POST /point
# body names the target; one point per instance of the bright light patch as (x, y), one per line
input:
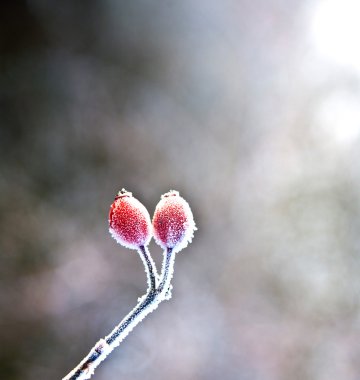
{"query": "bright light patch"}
(338, 118)
(335, 31)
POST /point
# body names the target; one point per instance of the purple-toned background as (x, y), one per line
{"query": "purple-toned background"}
(250, 109)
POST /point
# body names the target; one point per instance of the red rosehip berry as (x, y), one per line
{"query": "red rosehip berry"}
(173, 222)
(129, 221)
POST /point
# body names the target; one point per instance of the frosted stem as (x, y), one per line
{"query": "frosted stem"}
(150, 268)
(167, 270)
(154, 296)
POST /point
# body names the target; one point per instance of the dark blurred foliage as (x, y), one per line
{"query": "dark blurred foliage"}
(226, 101)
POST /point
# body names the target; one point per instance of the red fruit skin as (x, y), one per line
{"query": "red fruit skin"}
(173, 222)
(129, 221)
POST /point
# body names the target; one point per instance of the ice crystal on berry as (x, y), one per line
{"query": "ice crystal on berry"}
(129, 221)
(173, 222)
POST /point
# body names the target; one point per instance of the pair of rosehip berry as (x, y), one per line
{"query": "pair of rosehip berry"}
(172, 226)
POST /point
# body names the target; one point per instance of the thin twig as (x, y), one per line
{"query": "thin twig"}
(154, 296)
(167, 270)
(150, 268)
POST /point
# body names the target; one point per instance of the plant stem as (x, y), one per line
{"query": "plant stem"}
(154, 296)
(167, 270)
(150, 268)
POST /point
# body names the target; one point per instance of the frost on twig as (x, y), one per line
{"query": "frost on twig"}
(149, 302)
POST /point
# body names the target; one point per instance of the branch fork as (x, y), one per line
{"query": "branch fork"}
(158, 291)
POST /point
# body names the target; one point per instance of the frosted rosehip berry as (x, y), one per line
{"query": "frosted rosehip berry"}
(173, 222)
(129, 221)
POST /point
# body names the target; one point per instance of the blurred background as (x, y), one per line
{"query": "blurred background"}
(251, 109)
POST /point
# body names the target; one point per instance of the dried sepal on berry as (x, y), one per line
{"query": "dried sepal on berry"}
(173, 222)
(129, 221)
